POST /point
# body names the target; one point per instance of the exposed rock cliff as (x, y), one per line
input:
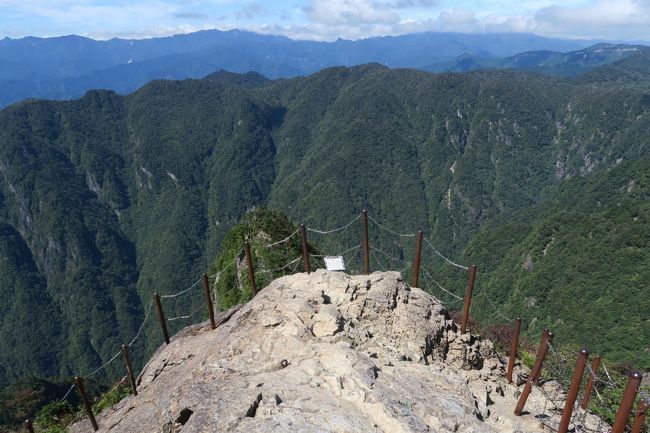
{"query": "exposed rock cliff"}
(326, 352)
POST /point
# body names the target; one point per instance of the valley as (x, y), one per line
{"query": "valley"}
(541, 181)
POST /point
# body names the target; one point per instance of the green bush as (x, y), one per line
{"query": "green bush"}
(260, 227)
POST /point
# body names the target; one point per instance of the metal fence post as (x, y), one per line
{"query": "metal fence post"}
(161, 317)
(87, 406)
(29, 425)
(416, 262)
(208, 300)
(537, 368)
(542, 341)
(251, 272)
(590, 383)
(624, 409)
(365, 244)
(129, 368)
(468, 299)
(514, 348)
(305, 248)
(641, 411)
(572, 395)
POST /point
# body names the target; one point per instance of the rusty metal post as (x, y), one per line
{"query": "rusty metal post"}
(161, 317)
(468, 298)
(543, 350)
(572, 395)
(364, 245)
(251, 272)
(305, 248)
(416, 262)
(523, 397)
(543, 337)
(590, 383)
(641, 411)
(541, 355)
(208, 300)
(542, 342)
(29, 425)
(129, 368)
(624, 409)
(514, 348)
(84, 398)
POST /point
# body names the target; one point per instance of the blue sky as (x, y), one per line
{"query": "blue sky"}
(326, 19)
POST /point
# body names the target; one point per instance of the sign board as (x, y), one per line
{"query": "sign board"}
(334, 263)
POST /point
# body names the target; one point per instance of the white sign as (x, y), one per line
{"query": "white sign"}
(334, 263)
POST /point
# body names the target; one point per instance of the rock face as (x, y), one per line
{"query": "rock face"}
(325, 352)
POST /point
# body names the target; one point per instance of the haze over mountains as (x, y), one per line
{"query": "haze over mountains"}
(68, 66)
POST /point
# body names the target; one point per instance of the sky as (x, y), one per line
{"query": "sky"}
(620, 20)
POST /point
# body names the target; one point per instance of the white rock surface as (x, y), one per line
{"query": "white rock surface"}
(326, 352)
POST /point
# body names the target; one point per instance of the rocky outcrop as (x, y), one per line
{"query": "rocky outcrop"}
(326, 352)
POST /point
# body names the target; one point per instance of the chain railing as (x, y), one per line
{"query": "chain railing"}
(566, 401)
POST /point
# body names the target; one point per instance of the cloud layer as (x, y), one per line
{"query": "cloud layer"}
(328, 19)
(615, 19)
(599, 19)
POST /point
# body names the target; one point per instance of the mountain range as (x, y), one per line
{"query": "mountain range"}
(68, 66)
(542, 181)
(545, 62)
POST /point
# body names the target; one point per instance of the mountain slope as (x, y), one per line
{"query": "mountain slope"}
(560, 264)
(628, 72)
(113, 198)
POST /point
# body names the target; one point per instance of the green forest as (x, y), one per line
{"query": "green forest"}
(541, 181)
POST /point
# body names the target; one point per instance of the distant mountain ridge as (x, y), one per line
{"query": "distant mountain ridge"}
(68, 66)
(544, 61)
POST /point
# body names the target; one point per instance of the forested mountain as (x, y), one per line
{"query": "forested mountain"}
(542, 181)
(545, 61)
(68, 66)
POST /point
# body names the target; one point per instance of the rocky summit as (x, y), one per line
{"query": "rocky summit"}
(328, 352)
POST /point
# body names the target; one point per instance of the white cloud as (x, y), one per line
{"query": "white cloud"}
(190, 15)
(460, 20)
(104, 18)
(78, 11)
(613, 19)
(251, 10)
(337, 12)
(597, 19)
(404, 4)
(354, 19)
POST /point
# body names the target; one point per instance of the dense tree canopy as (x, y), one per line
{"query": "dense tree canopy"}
(543, 182)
